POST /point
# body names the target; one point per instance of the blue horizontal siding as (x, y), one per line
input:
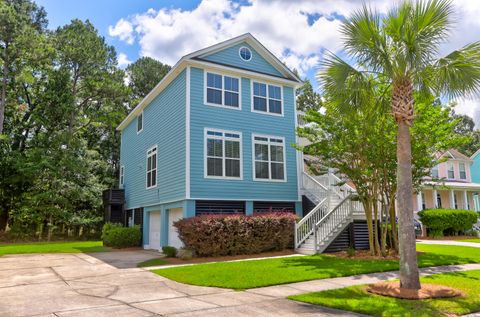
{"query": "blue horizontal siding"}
(247, 122)
(164, 125)
(230, 56)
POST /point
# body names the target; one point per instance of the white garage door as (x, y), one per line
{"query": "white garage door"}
(154, 233)
(173, 239)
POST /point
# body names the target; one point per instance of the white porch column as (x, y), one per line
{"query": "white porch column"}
(419, 201)
(452, 199)
(435, 201)
(465, 200)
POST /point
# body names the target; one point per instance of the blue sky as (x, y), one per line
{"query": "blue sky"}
(298, 32)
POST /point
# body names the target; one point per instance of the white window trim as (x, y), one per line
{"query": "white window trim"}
(156, 167)
(460, 170)
(143, 122)
(269, 179)
(205, 71)
(251, 54)
(268, 106)
(448, 169)
(121, 179)
(436, 169)
(205, 175)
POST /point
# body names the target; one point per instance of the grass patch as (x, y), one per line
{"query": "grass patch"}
(356, 299)
(53, 247)
(152, 262)
(471, 240)
(258, 273)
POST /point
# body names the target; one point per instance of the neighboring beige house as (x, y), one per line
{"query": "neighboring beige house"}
(449, 185)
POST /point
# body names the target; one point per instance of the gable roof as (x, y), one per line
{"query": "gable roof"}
(455, 154)
(475, 154)
(194, 59)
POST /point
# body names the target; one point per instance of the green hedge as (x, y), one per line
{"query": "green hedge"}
(217, 235)
(117, 236)
(441, 222)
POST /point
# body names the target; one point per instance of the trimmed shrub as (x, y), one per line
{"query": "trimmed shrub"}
(441, 222)
(218, 235)
(117, 236)
(169, 251)
(185, 254)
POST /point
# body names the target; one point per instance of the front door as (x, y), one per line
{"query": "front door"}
(154, 232)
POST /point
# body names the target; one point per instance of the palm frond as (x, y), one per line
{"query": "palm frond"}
(364, 40)
(458, 73)
(348, 87)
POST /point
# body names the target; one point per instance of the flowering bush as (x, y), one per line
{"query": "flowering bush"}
(217, 235)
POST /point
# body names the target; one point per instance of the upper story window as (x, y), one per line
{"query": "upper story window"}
(222, 90)
(152, 167)
(450, 170)
(434, 172)
(245, 53)
(223, 154)
(140, 122)
(267, 98)
(269, 158)
(463, 173)
(122, 176)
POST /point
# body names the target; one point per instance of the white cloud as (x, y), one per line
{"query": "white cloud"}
(123, 30)
(295, 31)
(123, 60)
(471, 107)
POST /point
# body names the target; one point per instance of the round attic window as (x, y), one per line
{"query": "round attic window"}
(245, 53)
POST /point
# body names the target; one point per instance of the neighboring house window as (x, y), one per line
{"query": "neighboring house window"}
(424, 203)
(450, 170)
(245, 53)
(439, 201)
(140, 122)
(435, 172)
(222, 90)
(463, 173)
(269, 158)
(267, 98)
(122, 175)
(152, 167)
(223, 151)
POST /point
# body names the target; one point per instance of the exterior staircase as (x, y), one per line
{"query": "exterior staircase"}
(333, 212)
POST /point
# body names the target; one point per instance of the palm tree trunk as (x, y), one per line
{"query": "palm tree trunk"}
(409, 275)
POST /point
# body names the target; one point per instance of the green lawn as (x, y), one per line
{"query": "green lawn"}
(53, 247)
(356, 299)
(258, 273)
(152, 262)
(471, 240)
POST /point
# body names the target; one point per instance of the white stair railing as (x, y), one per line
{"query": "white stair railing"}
(306, 226)
(314, 187)
(331, 221)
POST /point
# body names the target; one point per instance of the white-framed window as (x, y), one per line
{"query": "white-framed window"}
(450, 170)
(152, 167)
(267, 98)
(245, 53)
(222, 91)
(223, 154)
(463, 172)
(140, 122)
(122, 176)
(434, 172)
(268, 158)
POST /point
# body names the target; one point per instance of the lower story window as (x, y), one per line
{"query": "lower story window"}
(269, 158)
(223, 154)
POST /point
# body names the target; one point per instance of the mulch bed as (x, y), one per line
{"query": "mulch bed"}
(228, 258)
(392, 289)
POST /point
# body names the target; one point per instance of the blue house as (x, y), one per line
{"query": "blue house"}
(215, 135)
(475, 175)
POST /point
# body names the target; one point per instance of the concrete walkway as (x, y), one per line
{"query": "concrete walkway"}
(107, 284)
(451, 242)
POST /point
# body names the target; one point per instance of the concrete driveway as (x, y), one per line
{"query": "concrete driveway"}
(109, 284)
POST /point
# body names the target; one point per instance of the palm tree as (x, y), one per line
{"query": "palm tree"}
(400, 49)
